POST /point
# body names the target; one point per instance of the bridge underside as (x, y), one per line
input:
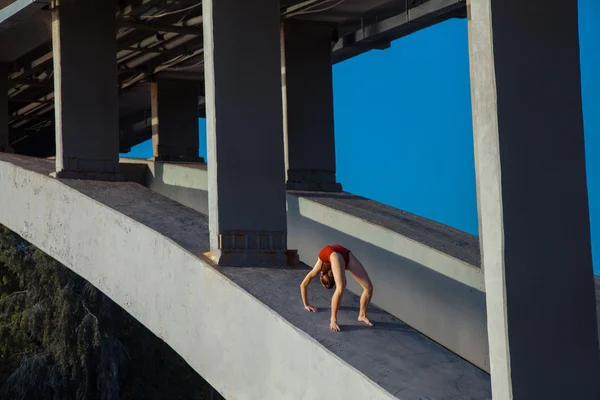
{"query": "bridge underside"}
(146, 252)
(171, 48)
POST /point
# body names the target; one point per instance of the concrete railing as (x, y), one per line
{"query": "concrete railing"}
(425, 284)
(145, 253)
(186, 183)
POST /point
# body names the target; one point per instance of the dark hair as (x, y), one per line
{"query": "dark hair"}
(327, 279)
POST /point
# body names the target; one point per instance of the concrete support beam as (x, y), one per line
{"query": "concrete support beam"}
(85, 82)
(308, 106)
(247, 203)
(532, 194)
(4, 142)
(175, 133)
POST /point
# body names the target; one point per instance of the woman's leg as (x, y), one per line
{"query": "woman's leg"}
(360, 274)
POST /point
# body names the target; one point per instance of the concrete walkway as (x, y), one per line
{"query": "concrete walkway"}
(243, 329)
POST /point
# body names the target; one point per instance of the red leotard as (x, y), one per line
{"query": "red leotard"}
(325, 253)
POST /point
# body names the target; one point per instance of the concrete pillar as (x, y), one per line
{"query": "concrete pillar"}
(4, 142)
(175, 133)
(532, 193)
(247, 203)
(85, 84)
(308, 106)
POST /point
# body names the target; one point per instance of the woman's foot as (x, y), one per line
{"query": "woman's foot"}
(364, 319)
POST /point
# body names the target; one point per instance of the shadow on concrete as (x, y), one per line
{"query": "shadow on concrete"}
(134, 172)
(194, 198)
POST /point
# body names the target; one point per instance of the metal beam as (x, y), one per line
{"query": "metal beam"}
(152, 70)
(155, 50)
(380, 34)
(143, 119)
(30, 118)
(28, 101)
(31, 82)
(181, 75)
(34, 62)
(122, 23)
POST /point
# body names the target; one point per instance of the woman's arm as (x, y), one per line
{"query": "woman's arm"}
(309, 277)
(340, 285)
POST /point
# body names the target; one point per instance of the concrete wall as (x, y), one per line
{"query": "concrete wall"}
(195, 309)
(425, 288)
(95, 153)
(186, 184)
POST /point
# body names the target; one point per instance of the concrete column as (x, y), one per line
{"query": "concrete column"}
(4, 142)
(85, 84)
(175, 133)
(308, 107)
(247, 203)
(531, 182)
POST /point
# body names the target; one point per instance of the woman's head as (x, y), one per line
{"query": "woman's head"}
(327, 276)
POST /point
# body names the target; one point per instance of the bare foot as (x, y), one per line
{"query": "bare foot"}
(365, 320)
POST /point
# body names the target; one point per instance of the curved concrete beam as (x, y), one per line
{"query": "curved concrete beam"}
(216, 326)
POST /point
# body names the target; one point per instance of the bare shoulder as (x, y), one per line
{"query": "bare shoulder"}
(317, 268)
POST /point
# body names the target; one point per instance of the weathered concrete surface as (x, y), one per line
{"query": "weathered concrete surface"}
(87, 126)
(421, 270)
(244, 132)
(308, 123)
(533, 199)
(175, 133)
(186, 183)
(141, 249)
(4, 139)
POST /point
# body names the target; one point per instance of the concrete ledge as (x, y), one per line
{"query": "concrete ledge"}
(254, 258)
(315, 180)
(424, 273)
(144, 251)
(175, 159)
(186, 183)
(314, 186)
(95, 176)
(442, 238)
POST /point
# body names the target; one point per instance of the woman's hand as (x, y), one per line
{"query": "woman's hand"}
(310, 308)
(334, 326)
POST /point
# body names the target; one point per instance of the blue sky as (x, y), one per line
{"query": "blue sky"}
(404, 135)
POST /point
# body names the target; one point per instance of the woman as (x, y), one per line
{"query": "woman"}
(331, 264)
